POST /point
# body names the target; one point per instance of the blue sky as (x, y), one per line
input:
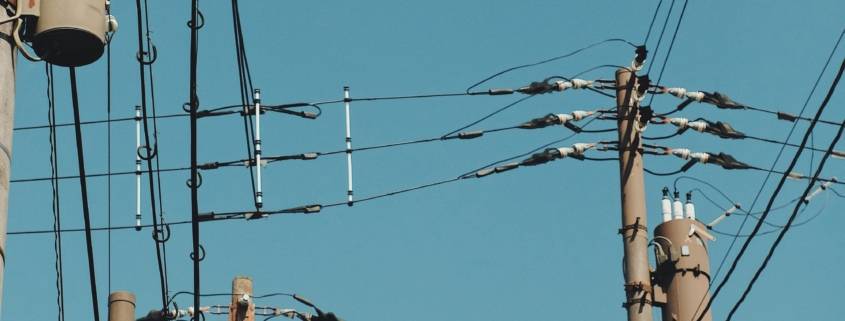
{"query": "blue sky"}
(534, 241)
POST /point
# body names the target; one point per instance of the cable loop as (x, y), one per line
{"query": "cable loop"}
(152, 55)
(202, 254)
(150, 152)
(199, 176)
(201, 24)
(165, 234)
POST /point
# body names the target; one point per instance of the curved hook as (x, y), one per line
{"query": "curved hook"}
(201, 21)
(151, 152)
(153, 56)
(202, 254)
(16, 35)
(164, 232)
(199, 179)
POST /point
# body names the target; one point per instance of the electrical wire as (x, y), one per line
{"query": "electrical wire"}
(671, 45)
(192, 94)
(778, 188)
(653, 18)
(84, 191)
(575, 52)
(794, 214)
(108, 141)
(56, 201)
(662, 32)
(246, 89)
(151, 149)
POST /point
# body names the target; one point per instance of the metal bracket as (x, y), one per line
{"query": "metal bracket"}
(635, 226)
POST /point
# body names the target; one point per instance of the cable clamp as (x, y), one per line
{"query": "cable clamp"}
(636, 227)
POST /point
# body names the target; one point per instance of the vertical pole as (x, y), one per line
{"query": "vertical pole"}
(346, 101)
(121, 306)
(634, 226)
(242, 307)
(7, 114)
(256, 97)
(137, 168)
(194, 103)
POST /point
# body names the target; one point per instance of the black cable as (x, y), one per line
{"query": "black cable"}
(91, 122)
(151, 150)
(779, 186)
(245, 88)
(108, 141)
(470, 88)
(653, 18)
(798, 205)
(669, 52)
(84, 190)
(195, 233)
(663, 174)
(56, 202)
(662, 32)
(476, 122)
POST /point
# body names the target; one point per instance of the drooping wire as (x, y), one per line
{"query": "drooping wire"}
(56, 204)
(780, 185)
(798, 205)
(83, 186)
(575, 52)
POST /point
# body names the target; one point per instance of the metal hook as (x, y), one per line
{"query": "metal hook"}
(151, 152)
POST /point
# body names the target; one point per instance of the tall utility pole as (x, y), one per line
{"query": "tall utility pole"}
(242, 307)
(634, 229)
(7, 115)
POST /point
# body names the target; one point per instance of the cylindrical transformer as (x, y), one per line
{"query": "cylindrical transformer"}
(70, 33)
(121, 306)
(683, 268)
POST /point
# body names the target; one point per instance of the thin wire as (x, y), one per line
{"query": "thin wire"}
(84, 190)
(671, 45)
(108, 144)
(798, 205)
(662, 32)
(653, 18)
(245, 83)
(778, 188)
(577, 51)
(57, 214)
(514, 103)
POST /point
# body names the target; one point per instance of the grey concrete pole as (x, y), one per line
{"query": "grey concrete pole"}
(7, 116)
(634, 229)
(121, 306)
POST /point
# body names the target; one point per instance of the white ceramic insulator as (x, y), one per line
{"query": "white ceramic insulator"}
(689, 210)
(580, 114)
(580, 148)
(565, 151)
(701, 157)
(677, 209)
(695, 95)
(581, 83)
(562, 85)
(698, 125)
(682, 153)
(678, 92)
(564, 118)
(667, 209)
(679, 122)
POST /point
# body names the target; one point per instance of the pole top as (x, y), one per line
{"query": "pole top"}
(124, 296)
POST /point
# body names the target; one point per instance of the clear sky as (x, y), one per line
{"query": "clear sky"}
(537, 242)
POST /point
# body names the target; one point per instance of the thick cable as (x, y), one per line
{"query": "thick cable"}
(779, 186)
(56, 201)
(671, 46)
(83, 186)
(195, 233)
(662, 32)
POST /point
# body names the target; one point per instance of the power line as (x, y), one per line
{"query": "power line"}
(798, 205)
(56, 202)
(779, 186)
(671, 46)
(662, 31)
(653, 18)
(84, 190)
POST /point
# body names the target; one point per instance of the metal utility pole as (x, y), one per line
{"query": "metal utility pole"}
(121, 306)
(7, 116)
(634, 229)
(242, 307)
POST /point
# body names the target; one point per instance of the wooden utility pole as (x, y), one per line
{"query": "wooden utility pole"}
(242, 307)
(121, 306)
(7, 115)
(634, 229)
